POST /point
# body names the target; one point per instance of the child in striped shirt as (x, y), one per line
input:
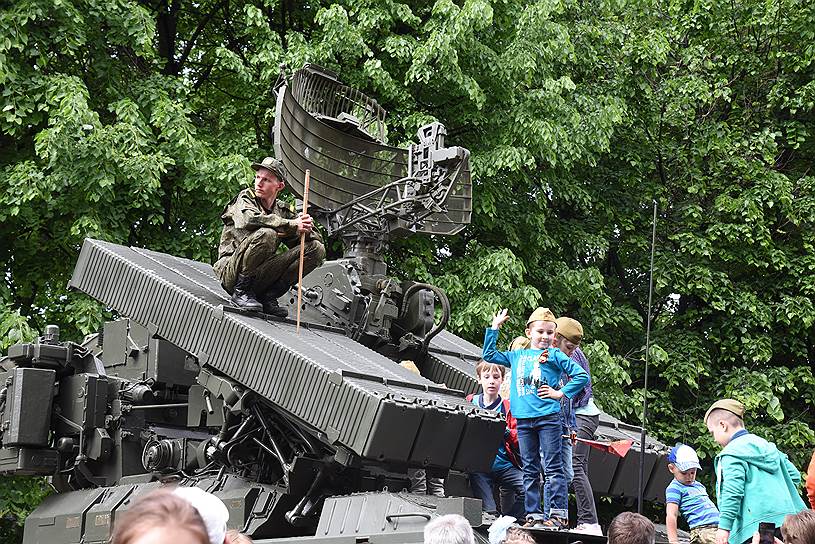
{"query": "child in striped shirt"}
(687, 496)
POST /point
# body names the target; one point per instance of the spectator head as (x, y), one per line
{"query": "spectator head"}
(490, 377)
(723, 419)
(449, 529)
(631, 528)
(211, 509)
(157, 517)
(568, 335)
(518, 536)
(799, 528)
(683, 462)
(540, 328)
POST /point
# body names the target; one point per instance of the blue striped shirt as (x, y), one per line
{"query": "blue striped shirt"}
(694, 504)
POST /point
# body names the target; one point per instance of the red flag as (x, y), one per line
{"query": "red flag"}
(618, 447)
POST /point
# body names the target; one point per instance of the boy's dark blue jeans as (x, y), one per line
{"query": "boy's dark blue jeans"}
(511, 478)
(540, 440)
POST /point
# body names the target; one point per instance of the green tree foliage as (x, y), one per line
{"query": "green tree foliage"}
(135, 121)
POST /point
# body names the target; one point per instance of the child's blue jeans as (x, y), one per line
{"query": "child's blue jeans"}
(568, 473)
(511, 478)
(540, 440)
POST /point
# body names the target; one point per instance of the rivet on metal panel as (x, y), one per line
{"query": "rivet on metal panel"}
(202, 357)
(335, 378)
(218, 312)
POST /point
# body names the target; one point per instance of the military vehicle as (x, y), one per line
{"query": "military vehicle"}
(305, 436)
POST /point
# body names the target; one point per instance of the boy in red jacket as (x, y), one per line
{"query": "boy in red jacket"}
(506, 471)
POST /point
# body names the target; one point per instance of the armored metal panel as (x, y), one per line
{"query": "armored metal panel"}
(125, 348)
(659, 480)
(59, 519)
(474, 439)
(451, 360)
(346, 165)
(100, 517)
(168, 364)
(449, 342)
(239, 502)
(451, 369)
(28, 461)
(602, 467)
(376, 513)
(309, 375)
(626, 478)
(83, 401)
(27, 415)
(427, 449)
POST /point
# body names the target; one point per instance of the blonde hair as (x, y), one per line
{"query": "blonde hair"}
(159, 508)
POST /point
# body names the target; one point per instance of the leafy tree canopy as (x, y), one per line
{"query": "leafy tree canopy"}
(135, 121)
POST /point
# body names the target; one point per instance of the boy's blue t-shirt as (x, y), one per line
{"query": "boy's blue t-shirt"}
(694, 503)
(502, 461)
(527, 371)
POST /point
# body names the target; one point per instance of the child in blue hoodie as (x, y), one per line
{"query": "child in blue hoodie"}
(754, 481)
(538, 416)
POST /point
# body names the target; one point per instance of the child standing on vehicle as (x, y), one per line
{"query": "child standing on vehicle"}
(754, 481)
(539, 425)
(506, 469)
(688, 497)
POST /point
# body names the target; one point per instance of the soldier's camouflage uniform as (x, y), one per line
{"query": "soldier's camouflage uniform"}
(250, 240)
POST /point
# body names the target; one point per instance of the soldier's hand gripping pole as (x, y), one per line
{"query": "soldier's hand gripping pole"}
(302, 252)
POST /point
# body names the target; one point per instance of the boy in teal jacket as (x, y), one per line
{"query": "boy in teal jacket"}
(754, 481)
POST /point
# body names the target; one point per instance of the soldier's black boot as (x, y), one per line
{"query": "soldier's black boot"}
(269, 300)
(243, 296)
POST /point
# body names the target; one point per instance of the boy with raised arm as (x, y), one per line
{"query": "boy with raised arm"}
(538, 417)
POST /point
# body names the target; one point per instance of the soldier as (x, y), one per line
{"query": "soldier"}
(255, 222)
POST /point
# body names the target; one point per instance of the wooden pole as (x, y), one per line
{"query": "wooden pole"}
(302, 251)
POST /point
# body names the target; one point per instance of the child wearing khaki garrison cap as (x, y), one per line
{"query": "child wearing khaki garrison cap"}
(538, 415)
(754, 481)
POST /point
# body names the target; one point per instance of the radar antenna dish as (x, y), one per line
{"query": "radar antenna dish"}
(362, 189)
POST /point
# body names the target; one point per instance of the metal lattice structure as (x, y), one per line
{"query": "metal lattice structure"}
(338, 134)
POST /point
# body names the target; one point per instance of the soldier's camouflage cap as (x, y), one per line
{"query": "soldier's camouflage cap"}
(273, 165)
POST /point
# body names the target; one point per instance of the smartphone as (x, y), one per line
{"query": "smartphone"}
(766, 533)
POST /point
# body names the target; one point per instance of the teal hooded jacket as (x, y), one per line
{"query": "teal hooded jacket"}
(754, 482)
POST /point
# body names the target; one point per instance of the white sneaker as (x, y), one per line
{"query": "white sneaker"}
(588, 529)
